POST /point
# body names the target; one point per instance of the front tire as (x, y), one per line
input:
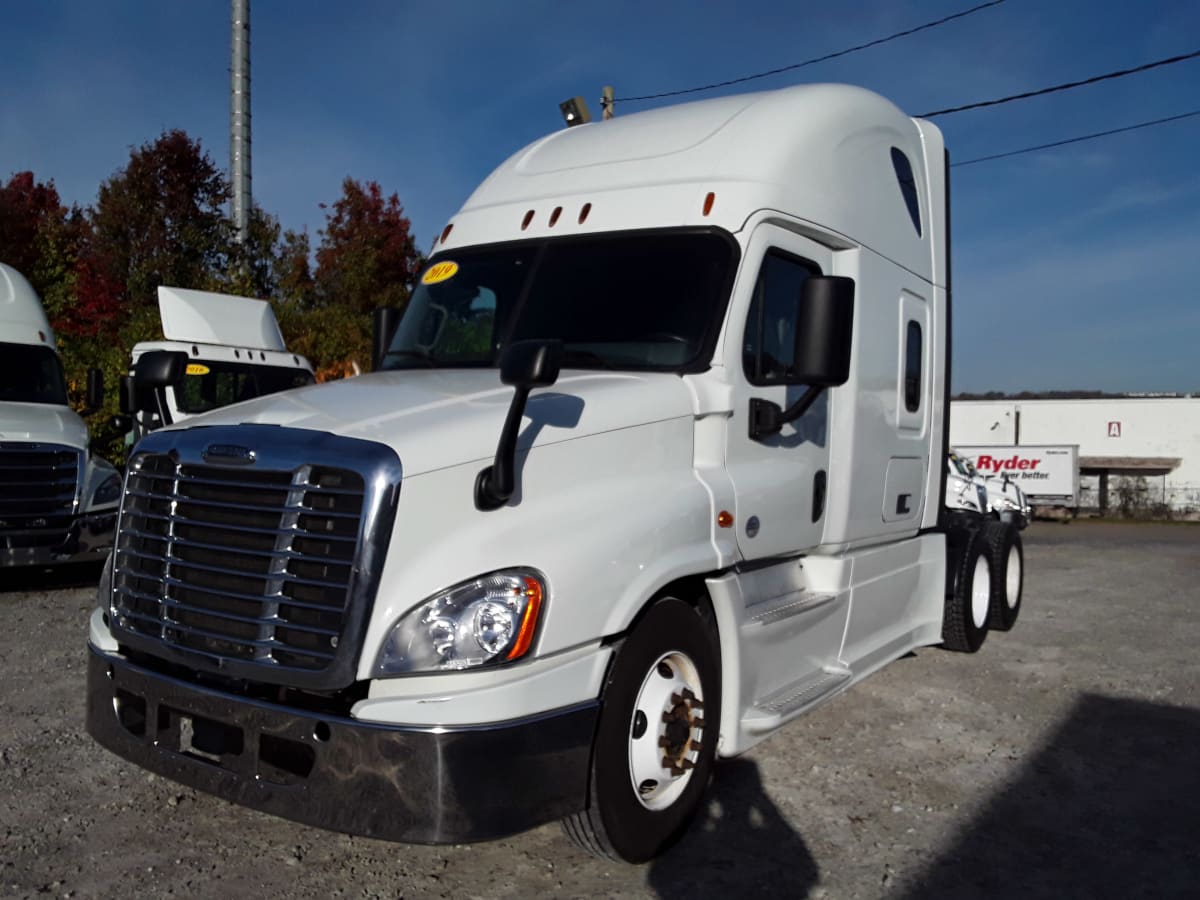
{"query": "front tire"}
(656, 738)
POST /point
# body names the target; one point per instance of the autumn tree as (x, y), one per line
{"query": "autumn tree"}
(367, 257)
(39, 236)
(161, 220)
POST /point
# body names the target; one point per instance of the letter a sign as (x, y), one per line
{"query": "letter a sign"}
(1114, 429)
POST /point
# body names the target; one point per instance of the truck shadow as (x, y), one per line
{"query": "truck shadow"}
(740, 843)
(1108, 807)
(35, 578)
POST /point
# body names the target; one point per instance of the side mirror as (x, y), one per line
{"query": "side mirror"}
(95, 391)
(821, 357)
(383, 326)
(127, 398)
(824, 328)
(160, 368)
(531, 364)
(524, 365)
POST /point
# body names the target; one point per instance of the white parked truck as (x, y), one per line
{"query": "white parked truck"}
(218, 349)
(654, 463)
(58, 501)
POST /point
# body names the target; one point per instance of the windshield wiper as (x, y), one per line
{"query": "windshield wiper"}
(426, 358)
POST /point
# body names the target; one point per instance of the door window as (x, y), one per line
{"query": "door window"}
(770, 340)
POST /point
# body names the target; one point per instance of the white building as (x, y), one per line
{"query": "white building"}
(1149, 444)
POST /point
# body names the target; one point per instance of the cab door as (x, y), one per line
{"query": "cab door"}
(779, 479)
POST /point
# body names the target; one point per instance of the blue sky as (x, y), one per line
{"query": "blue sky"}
(1074, 268)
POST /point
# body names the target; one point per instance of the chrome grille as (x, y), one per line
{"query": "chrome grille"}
(38, 486)
(250, 571)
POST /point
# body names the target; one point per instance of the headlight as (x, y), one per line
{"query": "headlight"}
(489, 620)
(109, 490)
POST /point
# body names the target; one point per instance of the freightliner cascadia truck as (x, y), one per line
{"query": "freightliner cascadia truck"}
(653, 463)
(58, 501)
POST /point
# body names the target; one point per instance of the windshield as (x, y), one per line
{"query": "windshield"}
(209, 384)
(31, 374)
(627, 301)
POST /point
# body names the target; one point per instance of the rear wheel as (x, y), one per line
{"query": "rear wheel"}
(656, 738)
(965, 621)
(1007, 559)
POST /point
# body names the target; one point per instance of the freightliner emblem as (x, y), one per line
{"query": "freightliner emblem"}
(229, 454)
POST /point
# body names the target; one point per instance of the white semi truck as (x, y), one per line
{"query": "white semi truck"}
(217, 349)
(58, 501)
(655, 462)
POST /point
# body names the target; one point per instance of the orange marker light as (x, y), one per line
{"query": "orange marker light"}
(525, 221)
(554, 215)
(583, 213)
(708, 202)
(725, 519)
(533, 594)
(446, 232)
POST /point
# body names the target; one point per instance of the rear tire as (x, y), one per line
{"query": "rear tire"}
(656, 738)
(1007, 559)
(965, 621)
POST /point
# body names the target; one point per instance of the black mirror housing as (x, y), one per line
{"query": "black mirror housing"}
(384, 321)
(530, 364)
(824, 331)
(95, 390)
(160, 368)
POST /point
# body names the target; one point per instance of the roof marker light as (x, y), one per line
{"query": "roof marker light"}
(446, 233)
(525, 221)
(708, 202)
(583, 213)
(554, 215)
(42, 335)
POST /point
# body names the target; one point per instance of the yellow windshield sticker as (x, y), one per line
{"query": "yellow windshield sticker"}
(439, 272)
(197, 369)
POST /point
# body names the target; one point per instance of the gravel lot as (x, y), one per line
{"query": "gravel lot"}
(1060, 761)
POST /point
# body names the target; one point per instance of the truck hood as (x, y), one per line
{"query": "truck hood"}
(441, 418)
(42, 423)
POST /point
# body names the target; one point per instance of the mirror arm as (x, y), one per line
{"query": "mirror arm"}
(766, 418)
(494, 485)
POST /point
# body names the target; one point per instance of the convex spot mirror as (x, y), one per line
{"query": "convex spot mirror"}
(95, 390)
(824, 330)
(160, 368)
(531, 364)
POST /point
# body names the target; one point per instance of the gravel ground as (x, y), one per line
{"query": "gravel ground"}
(1060, 761)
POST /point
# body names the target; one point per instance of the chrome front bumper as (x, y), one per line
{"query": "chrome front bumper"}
(421, 785)
(89, 538)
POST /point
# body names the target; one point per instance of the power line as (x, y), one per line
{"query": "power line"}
(1076, 140)
(1062, 87)
(809, 62)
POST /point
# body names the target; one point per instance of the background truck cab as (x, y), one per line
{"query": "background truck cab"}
(58, 502)
(218, 349)
(654, 463)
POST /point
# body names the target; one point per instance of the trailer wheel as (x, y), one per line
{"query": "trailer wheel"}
(1007, 558)
(965, 622)
(656, 737)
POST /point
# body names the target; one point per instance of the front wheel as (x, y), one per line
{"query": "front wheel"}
(656, 738)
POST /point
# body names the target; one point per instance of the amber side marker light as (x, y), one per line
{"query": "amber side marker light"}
(533, 591)
(525, 221)
(446, 233)
(554, 216)
(583, 213)
(725, 519)
(708, 202)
